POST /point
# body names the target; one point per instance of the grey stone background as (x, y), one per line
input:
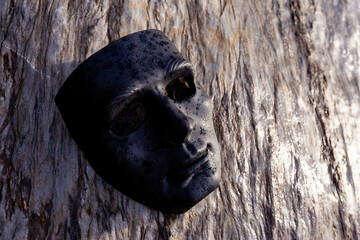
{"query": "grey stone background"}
(284, 80)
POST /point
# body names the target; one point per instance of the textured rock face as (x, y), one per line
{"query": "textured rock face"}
(284, 79)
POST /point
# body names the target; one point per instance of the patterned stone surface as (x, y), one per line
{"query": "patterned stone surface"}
(284, 79)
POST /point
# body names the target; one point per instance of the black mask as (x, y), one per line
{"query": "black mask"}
(143, 122)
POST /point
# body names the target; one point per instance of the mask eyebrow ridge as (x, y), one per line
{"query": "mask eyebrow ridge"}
(112, 107)
(175, 64)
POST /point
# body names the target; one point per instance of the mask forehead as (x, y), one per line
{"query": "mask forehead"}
(136, 59)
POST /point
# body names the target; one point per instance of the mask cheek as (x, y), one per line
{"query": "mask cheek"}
(130, 151)
(142, 167)
(202, 115)
(114, 149)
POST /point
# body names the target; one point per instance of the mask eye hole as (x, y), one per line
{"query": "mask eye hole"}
(180, 88)
(129, 119)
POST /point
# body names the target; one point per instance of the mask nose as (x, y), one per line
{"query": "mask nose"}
(173, 127)
(182, 127)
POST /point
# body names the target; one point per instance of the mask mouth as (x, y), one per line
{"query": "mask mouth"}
(185, 172)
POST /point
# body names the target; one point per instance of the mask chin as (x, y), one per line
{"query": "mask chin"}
(143, 122)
